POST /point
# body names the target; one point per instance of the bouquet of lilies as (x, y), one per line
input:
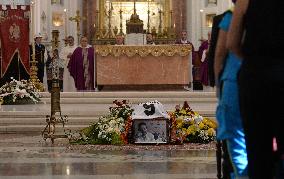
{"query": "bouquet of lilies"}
(19, 92)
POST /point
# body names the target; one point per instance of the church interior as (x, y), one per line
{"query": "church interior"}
(72, 70)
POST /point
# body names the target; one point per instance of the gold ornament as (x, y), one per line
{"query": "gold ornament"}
(143, 51)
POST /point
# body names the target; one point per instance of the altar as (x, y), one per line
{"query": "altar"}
(148, 66)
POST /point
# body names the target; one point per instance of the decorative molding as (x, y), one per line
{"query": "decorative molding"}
(143, 51)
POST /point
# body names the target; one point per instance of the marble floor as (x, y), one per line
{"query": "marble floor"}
(29, 157)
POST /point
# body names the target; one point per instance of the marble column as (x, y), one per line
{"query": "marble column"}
(194, 21)
(180, 16)
(89, 11)
(72, 6)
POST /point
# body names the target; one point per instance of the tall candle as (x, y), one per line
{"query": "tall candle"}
(33, 27)
(201, 23)
(65, 28)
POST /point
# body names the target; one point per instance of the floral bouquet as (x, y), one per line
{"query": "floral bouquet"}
(110, 129)
(189, 126)
(19, 92)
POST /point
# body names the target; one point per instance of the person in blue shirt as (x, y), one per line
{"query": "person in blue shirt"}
(230, 128)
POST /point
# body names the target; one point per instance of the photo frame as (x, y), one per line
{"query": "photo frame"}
(57, 19)
(57, 2)
(209, 20)
(151, 131)
(211, 2)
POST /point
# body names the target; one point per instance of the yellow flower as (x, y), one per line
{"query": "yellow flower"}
(193, 129)
(188, 131)
(201, 125)
(180, 119)
(212, 124)
(191, 122)
(182, 111)
(179, 124)
(211, 132)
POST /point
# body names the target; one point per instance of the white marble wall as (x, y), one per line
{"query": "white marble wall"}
(15, 2)
(46, 27)
(196, 17)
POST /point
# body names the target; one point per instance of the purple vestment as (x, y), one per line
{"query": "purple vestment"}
(204, 66)
(76, 68)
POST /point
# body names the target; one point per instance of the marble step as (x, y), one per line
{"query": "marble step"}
(131, 100)
(83, 108)
(133, 97)
(37, 129)
(72, 120)
(36, 120)
(36, 124)
(133, 94)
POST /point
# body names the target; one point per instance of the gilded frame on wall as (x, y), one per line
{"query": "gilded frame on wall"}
(57, 2)
(209, 20)
(211, 2)
(166, 13)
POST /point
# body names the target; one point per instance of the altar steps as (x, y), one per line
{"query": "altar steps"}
(133, 97)
(85, 108)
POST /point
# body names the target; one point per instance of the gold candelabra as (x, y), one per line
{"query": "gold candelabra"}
(97, 29)
(52, 120)
(109, 33)
(160, 23)
(120, 15)
(33, 72)
(148, 20)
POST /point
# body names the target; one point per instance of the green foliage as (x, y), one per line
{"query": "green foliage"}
(108, 129)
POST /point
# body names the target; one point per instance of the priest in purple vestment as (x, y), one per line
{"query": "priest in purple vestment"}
(81, 66)
(203, 54)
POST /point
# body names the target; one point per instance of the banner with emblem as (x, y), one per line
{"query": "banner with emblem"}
(14, 36)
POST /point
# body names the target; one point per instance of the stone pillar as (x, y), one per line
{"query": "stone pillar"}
(89, 11)
(39, 7)
(194, 21)
(179, 15)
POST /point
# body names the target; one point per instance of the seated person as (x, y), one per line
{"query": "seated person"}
(149, 39)
(119, 40)
(55, 69)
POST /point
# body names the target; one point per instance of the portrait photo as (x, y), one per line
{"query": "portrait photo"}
(150, 131)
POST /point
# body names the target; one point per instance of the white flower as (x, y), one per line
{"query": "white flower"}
(198, 119)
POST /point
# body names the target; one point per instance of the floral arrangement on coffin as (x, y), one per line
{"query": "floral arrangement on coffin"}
(190, 127)
(110, 129)
(19, 92)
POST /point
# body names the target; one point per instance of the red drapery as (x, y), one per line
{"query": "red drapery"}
(14, 35)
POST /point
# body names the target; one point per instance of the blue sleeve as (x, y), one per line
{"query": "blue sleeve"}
(226, 21)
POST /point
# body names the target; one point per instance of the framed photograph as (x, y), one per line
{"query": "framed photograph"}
(151, 131)
(209, 20)
(57, 19)
(211, 2)
(57, 2)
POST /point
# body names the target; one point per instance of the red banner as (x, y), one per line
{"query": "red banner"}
(14, 36)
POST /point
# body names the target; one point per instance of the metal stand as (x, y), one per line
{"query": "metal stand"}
(52, 120)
